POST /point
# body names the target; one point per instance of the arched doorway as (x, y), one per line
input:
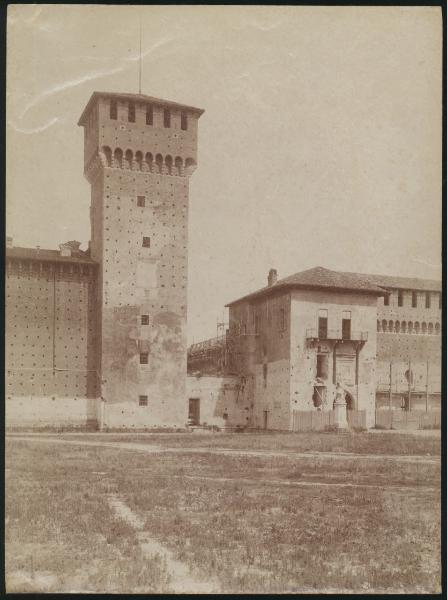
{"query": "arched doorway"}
(350, 401)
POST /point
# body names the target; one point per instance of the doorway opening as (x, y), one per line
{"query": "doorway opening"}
(194, 411)
(266, 416)
(350, 402)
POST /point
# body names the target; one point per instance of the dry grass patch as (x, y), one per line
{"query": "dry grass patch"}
(248, 532)
(357, 443)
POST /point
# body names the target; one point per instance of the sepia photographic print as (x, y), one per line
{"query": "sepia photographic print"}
(223, 299)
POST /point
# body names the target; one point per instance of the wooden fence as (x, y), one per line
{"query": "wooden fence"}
(316, 420)
(403, 419)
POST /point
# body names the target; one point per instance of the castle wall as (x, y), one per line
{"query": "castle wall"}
(262, 342)
(140, 281)
(50, 336)
(223, 402)
(409, 334)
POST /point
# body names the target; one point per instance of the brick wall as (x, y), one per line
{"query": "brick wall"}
(50, 329)
(139, 175)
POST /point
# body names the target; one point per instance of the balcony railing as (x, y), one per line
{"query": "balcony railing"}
(336, 334)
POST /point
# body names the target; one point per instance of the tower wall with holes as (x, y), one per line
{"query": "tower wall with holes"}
(138, 159)
(51, 377)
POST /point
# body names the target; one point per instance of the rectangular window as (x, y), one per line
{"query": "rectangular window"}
(113, 109)
(184, 121)
(414, 299)
(440, 300)
(322, 366)
(149, 114)
(141, 200)
(144, 356)
(386, 299)
(146, 242)
(400, 298)
(256, 324)
(346, 325)
(131, 113)
(282, 319)
(145, 319)
(142, 400)
(427, 300)
(322, 324)
(167, 117)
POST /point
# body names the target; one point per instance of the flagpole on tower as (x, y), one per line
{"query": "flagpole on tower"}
(140, 57)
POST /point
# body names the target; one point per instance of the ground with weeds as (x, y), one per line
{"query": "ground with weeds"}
(105, 519)
(379, 443)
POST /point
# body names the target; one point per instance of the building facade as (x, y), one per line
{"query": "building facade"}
(289, 344)
(51, 336)
(139, 153)
(98, 337)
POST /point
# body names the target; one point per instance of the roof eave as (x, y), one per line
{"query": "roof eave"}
(290, 286)
(42, 258)
(138, 97)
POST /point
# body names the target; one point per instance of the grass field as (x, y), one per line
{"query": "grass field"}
(82, 518)
(365, 443)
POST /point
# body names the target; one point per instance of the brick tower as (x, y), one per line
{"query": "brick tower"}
(139, 153)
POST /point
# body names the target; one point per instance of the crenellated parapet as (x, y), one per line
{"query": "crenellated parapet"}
(141, 161)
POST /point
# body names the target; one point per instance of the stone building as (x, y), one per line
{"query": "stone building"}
(103, 333)
(288, 344)
(98, 337)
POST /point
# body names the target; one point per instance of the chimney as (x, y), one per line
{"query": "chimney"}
(8, 241)
(273, 277)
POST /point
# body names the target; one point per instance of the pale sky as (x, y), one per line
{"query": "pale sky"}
(320, 143)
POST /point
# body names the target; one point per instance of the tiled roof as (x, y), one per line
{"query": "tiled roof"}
(321, 278)
(405, 283)
(136, 98)
(48, 255)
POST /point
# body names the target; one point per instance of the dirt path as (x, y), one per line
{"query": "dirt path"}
(181, 580)
(156, 449)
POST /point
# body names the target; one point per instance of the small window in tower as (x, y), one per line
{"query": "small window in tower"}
(167, 117)
(386, 299)
(427, 300)
(146, 242)
(145, 319)
(184, 121)
(131, 114)
(414, 299)
(400, 298)
(142, 400)
(440, 300)
(113, 109)
(141, 200)
(144, 356)
(149, 114)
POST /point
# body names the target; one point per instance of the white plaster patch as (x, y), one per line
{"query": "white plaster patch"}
(146, 274)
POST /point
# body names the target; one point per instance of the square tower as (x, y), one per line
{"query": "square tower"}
(139, 153)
